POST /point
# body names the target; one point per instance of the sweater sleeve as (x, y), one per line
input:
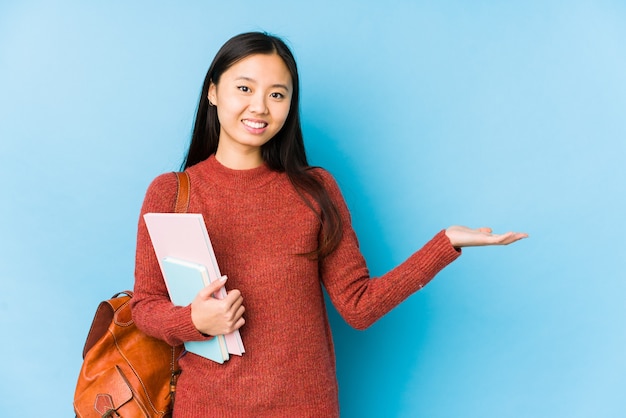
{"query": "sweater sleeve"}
(361, 299)
(152, 310)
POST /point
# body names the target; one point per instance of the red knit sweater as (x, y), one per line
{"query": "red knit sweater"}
(258, 224)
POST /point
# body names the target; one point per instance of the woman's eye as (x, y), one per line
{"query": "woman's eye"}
(245, 89)
(277, 95)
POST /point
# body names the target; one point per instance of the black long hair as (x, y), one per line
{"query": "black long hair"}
(285, 151)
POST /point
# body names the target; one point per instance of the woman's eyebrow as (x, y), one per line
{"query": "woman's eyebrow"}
(277, 85)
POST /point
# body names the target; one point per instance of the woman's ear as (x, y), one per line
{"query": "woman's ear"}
(211, 95)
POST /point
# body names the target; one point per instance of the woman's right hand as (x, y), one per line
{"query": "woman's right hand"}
(213, 316)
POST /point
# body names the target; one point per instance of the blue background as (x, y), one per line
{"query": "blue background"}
(429, 113)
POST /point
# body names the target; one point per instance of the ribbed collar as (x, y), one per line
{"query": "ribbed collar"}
(213, 171)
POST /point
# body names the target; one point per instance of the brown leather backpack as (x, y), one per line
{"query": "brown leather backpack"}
(126, 373)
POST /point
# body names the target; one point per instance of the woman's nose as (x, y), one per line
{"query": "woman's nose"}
(258, 104)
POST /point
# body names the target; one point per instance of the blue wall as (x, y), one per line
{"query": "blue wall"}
(429, 113)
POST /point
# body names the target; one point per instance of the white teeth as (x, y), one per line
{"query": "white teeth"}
(254, 125)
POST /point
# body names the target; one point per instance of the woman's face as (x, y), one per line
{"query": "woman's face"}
(252, 98)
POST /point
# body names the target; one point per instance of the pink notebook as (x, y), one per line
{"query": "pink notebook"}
(184, 236)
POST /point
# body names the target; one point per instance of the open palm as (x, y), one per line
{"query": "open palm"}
(462, 236)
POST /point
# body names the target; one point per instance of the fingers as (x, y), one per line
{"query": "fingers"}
(233, 311)
(214, 316)
(213, 287)
(518, 236)
(501, 237)
(509, 238)
(237, 320)
(233, 300)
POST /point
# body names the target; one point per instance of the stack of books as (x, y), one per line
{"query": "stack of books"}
(186, 258)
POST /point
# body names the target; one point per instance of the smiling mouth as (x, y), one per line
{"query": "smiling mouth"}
(254, 125)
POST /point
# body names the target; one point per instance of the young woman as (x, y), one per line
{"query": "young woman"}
(280, 230)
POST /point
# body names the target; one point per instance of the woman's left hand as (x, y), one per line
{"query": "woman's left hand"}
(462, 236)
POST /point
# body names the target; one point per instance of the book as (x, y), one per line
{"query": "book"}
(184, 236)
(184, 280)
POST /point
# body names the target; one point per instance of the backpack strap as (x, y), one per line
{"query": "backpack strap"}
(182, 196)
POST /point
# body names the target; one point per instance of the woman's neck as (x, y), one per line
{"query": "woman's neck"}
(239, 159)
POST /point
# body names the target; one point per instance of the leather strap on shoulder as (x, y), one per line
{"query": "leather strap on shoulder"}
(182, 196)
